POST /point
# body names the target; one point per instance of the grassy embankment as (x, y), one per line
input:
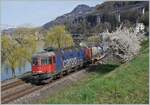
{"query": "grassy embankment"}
(110, 83)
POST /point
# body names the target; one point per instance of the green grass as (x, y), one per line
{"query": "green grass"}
(110, 83)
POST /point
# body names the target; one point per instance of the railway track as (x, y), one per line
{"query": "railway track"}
(11, 85)
(18, 94)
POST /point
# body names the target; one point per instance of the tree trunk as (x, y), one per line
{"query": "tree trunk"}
(13, 73)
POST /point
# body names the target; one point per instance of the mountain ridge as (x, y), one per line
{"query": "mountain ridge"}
(83, 12)
(79, 10)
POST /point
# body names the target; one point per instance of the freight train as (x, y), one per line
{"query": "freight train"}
(51, 63)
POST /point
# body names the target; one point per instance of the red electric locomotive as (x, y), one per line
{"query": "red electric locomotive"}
(43, 63)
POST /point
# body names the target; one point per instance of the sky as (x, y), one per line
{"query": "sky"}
(16, 13)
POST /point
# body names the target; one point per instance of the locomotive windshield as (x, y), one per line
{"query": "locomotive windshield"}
(46, 61)
(34, 61)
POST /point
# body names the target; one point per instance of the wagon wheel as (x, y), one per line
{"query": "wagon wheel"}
(61, 75)
(67, 72)
(76, 68)
(54, 77)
